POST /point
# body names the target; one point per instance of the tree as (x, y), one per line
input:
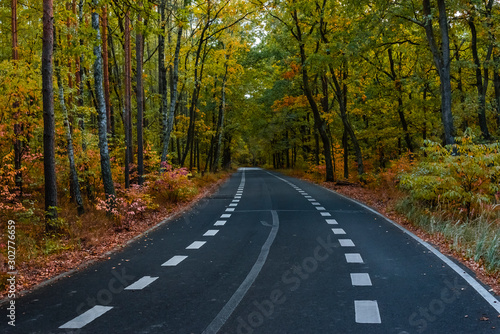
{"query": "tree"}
(49, 163)
(107, 178)
(139, 52)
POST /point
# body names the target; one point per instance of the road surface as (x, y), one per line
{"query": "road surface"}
(266, 254)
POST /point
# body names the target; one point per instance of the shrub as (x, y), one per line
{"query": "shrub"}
(461, 178)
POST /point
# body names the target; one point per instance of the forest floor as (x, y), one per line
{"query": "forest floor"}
(385, 199)
(44, 269)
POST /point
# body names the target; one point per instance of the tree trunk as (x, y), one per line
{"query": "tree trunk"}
(49, 163)
(318, 121)
(17, 127)
(220, 122)
(107, 178)
(169, 124)
(139, 52)
(162, 71)
(75, 185)
(442, 61)
(482, 87)
(106, 65)
(128, 108)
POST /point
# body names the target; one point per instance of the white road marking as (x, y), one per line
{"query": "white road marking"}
(320, 208)
(87, 317)
(361, 279)
(490, 299)
(196, 245)
(338, 231)
(229, 209)
(315, 203)
(311, 200)
(174, 261)
(141, 283)
(332, 221)
(346, 243)
(367, 312)
(233, 204)
(220, 223)
(308, 196)
(353, 258)
(226, 215)
(237, 197)
(325, 214)
(236, 200)
(210, 233)
(240, 293)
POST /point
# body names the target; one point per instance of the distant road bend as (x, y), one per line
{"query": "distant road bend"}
(267, 253)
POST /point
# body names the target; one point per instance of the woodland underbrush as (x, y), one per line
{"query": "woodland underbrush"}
(46, 249)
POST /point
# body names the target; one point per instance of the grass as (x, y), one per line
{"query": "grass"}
(477, 239)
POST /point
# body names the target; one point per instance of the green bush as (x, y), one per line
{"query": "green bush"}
(463, 177)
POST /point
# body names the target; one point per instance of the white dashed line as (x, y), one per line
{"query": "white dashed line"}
(346, 243)
(141, 283)
(196, 245)
(315, 203)
(237, 197)
(367, 312)
(332, 221)
(338, 231)
(220, 223)
(87, 317)
(308, 196)
(320, 208)
(229, 209)
(311, 200)
(226, 215)
(325, 214)
(233, 204)
(174, 261)
(210, 233)
(361, 279)
(236, 200)
(353, 258)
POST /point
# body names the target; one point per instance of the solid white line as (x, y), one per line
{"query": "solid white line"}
(338, 231)
(196, 245)
(332, 221)
(346, 243)
(87, 317)
(141, 283)
(367, 312)
(320, 208)
(490, 299)
(236, 298)
(353, 258)
(325, 214)
(210, 233)
(226, 215)
(361, 279)
(220, 223)
(174, 261)
(229, 209)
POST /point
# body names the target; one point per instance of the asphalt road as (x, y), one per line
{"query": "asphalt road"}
(266, 254)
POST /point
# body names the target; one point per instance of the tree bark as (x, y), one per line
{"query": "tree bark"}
(49, 162)
(107, 178)
(75, 185)
(17, 126)
(220, 122)
(442, 61)
(481, 85)
(127, 109)
(318, 121)
(139, 53)
(106, 65)
(169, 124)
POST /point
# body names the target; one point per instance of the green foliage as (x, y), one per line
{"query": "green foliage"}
(463, 177)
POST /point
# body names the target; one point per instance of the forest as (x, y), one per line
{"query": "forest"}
(114, 109)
